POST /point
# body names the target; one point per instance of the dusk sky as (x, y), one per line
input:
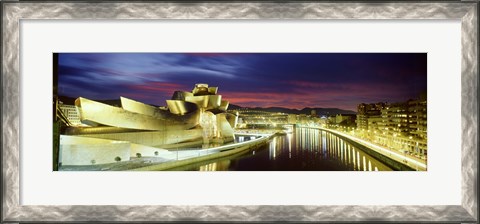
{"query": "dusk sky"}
(291, 80)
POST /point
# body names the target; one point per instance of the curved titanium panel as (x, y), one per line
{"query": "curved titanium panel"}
(232, 119)
(95, 112)
(224, 105)
(200, 89)
(212, 90)
(180, 107)
(224, 127)
(141, 108)
(180, 95)
(207, 101)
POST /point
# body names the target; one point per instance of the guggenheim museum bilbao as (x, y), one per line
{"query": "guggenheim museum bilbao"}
(112, 133)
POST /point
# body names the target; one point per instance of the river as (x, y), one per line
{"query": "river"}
(302, 150)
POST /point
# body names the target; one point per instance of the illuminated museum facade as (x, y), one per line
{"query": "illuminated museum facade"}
(196, 117)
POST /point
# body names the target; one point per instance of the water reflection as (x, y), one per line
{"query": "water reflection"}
(303, 150)
(220, 165)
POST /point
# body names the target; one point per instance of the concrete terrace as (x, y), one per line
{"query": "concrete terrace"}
(171, 159)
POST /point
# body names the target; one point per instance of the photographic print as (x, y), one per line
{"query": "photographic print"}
(240, 111)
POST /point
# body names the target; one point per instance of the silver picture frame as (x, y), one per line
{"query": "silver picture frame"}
(13, 12)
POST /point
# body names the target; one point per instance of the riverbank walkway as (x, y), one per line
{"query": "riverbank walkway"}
(413, 162)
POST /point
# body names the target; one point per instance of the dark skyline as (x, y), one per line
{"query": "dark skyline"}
(291, 80)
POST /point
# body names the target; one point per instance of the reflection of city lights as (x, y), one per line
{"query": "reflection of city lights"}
(209, 167)
(354, 157)
(364, 164)
(358, 160)
(341, 150)
(272, 148)
(289, 139)
(376, 147)
(349, 153)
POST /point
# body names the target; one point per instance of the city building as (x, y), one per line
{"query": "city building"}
(341, 120)
(292, 118)
(418, 117)
(367, 111)
(401, 126)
